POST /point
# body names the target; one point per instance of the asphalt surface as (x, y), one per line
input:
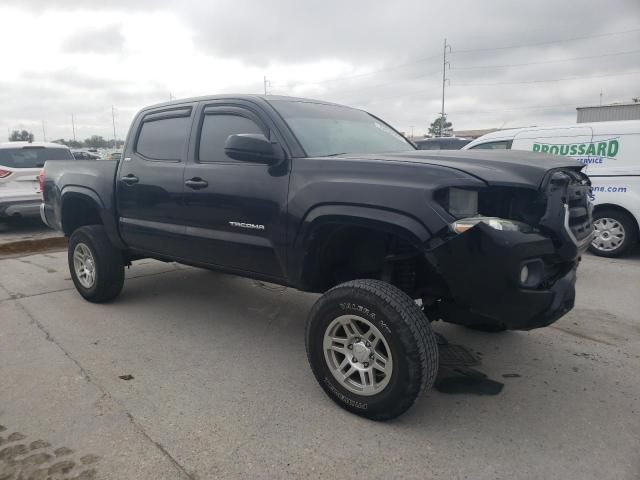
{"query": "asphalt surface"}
(197, 374)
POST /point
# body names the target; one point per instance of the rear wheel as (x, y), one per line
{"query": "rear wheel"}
(615, 233)
(97, 268)
(371, 348)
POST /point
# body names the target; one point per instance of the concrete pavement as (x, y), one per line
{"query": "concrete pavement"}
(219, 387)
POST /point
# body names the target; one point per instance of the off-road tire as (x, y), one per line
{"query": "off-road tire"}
(109, 264)
(405, 328)
(630, 230)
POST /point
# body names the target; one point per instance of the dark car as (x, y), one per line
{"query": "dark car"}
(84, 155)
(441, 143)
(332, 200)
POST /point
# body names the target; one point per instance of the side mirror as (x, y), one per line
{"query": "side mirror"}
(251, 147)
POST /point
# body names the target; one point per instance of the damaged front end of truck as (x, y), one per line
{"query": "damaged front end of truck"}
(509, 257)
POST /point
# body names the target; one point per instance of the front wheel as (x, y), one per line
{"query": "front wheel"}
(97, 268)
(615, 233)
(371, 348)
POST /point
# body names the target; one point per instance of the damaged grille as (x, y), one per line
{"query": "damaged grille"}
(568, 206)
(579, 206)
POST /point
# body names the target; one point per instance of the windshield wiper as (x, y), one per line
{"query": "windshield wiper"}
(336, 154)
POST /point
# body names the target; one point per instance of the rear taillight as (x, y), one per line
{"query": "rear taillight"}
(5, 173)
(41, 180)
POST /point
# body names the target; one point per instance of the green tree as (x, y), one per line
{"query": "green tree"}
(437, 124)
(21, 136)
(69, 143)
(96, 141)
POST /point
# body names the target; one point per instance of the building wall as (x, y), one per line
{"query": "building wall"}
(608, 113)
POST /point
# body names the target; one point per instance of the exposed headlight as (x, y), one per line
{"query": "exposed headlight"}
(462, 203)
(524, 274)
(465, 224)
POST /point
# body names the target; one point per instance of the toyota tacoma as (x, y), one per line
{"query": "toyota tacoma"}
(329, 199)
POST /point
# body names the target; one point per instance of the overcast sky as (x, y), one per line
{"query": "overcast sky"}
(82, 56)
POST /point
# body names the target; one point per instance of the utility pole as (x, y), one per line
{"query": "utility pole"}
(170, 97)
(44, 135)
(411, 126)
(600, 97)
(73, 127)
(444, 81)
(113, 118)
(267, 84)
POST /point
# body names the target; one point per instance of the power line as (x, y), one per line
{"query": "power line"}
(528, 107)
(365, 74)
(546, 43)
(581, 77)
(432, 57)
(549, 61)
(395, 82)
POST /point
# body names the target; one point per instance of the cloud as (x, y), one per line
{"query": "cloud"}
(512, 63)
(106, 40)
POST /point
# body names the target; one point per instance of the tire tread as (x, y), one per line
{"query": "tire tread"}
(414, 321)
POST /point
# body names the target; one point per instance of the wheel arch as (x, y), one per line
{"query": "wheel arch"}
(619, 208)
(81, 206)
(327, 227)
(78, 207)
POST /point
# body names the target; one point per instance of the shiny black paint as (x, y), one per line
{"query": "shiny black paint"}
(150, 210)
(182, 210)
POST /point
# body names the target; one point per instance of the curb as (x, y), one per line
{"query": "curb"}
(33, 246)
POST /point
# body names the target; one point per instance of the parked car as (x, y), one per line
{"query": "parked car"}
(20, 164)
(114, 156)
(84, 155)
(328, 199)
(610, 152)
(441, 143)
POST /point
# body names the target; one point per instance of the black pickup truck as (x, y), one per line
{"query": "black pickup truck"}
(329, 199)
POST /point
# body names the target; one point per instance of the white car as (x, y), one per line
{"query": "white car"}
(611, 153)
(20, 165)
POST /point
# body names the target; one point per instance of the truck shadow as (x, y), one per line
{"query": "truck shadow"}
(237, 306)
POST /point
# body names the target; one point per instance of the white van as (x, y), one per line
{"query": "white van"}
(611, 153)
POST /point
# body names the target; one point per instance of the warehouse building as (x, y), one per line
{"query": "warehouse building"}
(608, 113)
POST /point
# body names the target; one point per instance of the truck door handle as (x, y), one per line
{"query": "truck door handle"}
(196, 183)
(130, 179)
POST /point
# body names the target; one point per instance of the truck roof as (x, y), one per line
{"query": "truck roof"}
(240, 96)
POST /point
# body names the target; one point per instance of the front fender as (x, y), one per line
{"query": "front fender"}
(382, 220)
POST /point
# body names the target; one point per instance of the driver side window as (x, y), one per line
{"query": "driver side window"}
(216, 128)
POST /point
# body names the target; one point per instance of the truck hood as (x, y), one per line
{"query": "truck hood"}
(508, 168)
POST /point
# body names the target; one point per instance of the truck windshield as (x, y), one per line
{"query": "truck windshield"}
(32, 157)
(326, 130)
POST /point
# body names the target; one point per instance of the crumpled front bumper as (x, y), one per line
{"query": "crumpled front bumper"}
(482, 267)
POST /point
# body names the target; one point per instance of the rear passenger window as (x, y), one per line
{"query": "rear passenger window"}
(163, 139)
(216, 129)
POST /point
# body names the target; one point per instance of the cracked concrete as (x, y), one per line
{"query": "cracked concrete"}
(221, 387)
